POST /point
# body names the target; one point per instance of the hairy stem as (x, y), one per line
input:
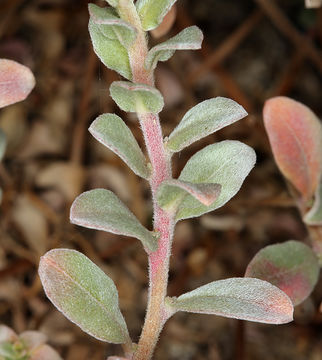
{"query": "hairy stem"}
(156, 314)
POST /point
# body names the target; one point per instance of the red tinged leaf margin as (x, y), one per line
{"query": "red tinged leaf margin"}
(295, 135)
(16, 82)
(238, 298)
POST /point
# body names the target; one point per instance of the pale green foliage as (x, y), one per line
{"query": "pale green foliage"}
(291, 266)
(314, 216)
(239, 298)
(111, 131)
(188, 39)
(9, 351)
(111, 52)
(204, 119)
(83, 293)
(101, 209)
(226, 163)
(112, 26)
(172, 192)
(152, 12)
(137, 98)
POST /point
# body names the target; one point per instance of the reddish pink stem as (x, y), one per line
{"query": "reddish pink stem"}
(156, 314)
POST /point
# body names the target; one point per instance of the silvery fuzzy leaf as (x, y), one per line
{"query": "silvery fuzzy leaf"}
(111, 131)
(152, 12)
(111, 52)
(137, 98)
(239, 298)
(111, 25)
(188, 39)
(226, 163)
(101, 209)
(204, 119)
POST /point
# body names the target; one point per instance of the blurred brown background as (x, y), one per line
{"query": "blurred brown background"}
(253, 49)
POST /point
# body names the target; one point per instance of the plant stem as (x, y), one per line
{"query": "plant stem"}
(161, 170)
(158, 260)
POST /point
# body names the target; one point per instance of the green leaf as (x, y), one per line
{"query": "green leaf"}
(111, 131)
(101, 209)
(83, 293)
(112, 26)
(314, 215)
(291, 266)
(188, 39)
(3, 144)
(111, 52)
(7, 351)
(226, 163)
(138, 98)
(172, 192)
(204, 119)
(152, 12)
(238, 298)
(16, 82)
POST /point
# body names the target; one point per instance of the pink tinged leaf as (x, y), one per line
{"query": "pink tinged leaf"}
(171, 193)
(238, 298)
(33, 339)
(291, 266)
(16, 82)
(101, 209)
(295, 135)
(44, 352)
(83, 293)
(7, 334)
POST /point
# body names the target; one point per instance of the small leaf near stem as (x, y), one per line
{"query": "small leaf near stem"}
(226, 163)
(111, 25)
(204, 119)
(111, 52)
(111, 131)
(152, 12)
(137, 98)
(172, 192)
(101, 209)
(188, 39)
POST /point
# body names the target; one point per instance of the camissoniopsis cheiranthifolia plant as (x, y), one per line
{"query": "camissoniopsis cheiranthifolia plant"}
(210, 178)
